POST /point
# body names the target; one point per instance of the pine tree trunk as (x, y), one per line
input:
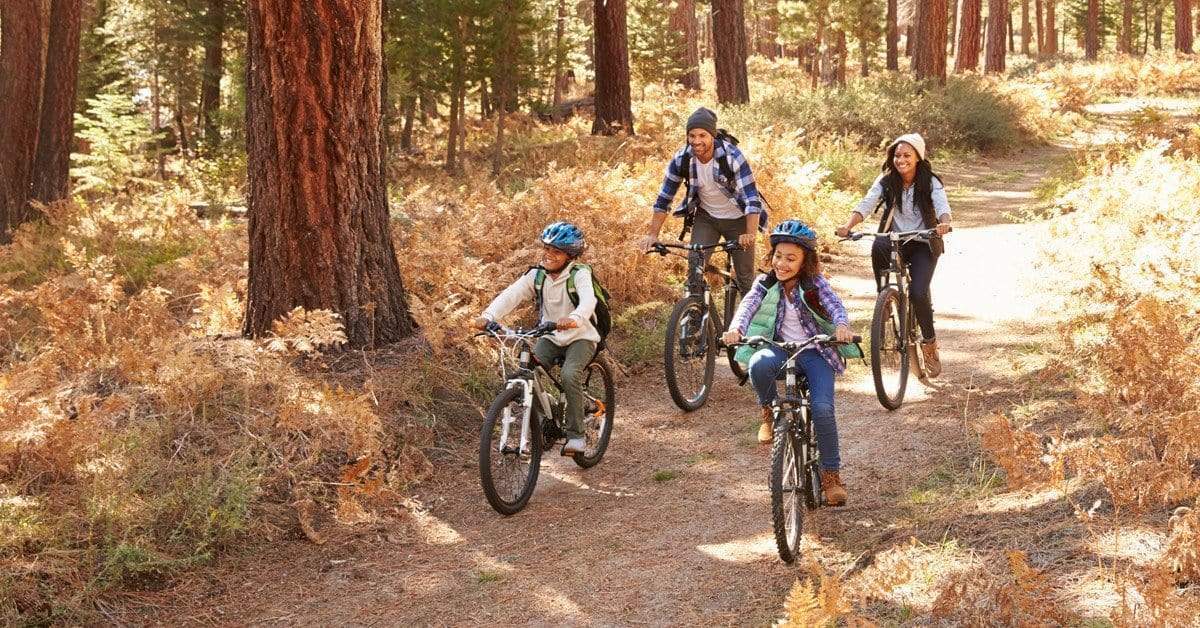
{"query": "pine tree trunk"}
(893, 37)
(1091, 45)
(1125, 42)
(729, 52)
(1012, 48)
(970, 18)
(997, 27)
(841, 58)
(559, 53)
(1026, 30)
(818, 47)
(1051, 28)
(612, 106)
(683, 20)
(56, 130)
(319, 231)
(457, 86)
(503, 82)
(908, 41)
(1041, 27)
(773, 48)
(1158, 27)
(24, 26)
(1145, 27)
(214, 67)
(864, 54)
(952, 25)
(929, 53)
(1183, 26)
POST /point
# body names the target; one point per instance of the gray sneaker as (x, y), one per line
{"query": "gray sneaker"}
(575, 445)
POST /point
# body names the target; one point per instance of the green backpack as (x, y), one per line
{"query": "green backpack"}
(601, 316)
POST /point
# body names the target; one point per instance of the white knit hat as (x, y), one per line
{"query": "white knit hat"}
(912, 139)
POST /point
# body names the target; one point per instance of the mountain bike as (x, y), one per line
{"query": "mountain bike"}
(895, 341)
(528, 418)
(690, 350)
(795, 458)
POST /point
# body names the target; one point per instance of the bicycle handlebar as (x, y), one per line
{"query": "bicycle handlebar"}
(661, 247)
(821, 339)
(496, 330)
(856, 236)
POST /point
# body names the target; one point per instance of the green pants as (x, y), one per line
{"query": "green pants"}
(578, 356)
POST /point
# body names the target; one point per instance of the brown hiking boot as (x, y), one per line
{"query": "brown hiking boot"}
(831, 485)
(933, 362)
(766, 431)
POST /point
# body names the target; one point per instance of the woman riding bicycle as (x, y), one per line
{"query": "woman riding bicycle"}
(721, 196)
(797, 290)
(909, 184)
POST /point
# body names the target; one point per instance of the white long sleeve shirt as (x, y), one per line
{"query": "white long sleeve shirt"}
(556, 303)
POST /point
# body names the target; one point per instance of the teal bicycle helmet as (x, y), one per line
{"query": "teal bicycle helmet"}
(795, 232)
(565, 237)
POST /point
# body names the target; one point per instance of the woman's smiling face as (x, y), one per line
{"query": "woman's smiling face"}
(905, 160)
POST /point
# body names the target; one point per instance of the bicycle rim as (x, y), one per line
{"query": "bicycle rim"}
(889, 358)
(599, 396)
(508, 473)
(689, 356)
(786, 495)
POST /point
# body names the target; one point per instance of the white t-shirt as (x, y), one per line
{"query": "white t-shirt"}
(714, 197)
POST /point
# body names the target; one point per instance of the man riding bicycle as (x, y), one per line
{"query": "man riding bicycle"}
(721, 198)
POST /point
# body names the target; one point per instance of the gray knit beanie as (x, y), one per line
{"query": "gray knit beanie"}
(703, 118)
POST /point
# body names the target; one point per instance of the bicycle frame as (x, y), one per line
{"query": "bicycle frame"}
(528, 376)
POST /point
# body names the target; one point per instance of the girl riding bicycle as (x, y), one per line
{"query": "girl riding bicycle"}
(909, 186)
(787, 300)
(576, 337)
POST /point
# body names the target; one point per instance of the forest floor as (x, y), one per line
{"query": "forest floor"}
(674, 526)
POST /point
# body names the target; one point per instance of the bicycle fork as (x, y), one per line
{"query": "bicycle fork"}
(507, 421)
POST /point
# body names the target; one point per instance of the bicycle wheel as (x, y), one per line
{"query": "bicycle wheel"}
(729, 306)
(889, 358)
(689, 356)
(915, 361)
(600, 405)
(787, 490)
(507, 474)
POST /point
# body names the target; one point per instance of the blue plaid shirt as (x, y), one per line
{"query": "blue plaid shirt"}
(742, 189)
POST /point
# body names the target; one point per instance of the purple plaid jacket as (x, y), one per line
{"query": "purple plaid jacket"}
(828, 300)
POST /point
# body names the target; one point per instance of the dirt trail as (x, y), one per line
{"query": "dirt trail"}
(612, 545)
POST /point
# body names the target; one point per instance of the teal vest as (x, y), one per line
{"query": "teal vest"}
(763, 324)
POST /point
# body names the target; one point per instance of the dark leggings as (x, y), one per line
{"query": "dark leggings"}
(921, 263)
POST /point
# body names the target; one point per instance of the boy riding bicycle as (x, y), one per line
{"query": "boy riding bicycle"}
(576, 337)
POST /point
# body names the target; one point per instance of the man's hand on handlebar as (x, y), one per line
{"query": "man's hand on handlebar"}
(647, 242)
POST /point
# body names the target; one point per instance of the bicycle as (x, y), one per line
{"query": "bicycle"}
(795, 458)
(527, 418)
(894, 336)
(689, 351)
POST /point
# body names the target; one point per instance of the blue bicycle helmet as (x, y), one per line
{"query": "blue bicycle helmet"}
(795, 232)
(565, 237)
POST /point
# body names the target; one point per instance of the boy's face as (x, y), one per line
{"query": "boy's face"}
(553, 259)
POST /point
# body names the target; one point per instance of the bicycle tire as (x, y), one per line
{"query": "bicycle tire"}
(787, 522)
(508, 502)
(887, 345)
(731, 353)
(673, 354)
(604, 415)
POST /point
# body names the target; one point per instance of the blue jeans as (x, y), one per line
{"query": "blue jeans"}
(765, 366)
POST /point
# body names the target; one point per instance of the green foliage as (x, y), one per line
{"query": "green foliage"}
(116, 136)
(656, 51)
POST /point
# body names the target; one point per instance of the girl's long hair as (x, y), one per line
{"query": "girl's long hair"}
(809, 268)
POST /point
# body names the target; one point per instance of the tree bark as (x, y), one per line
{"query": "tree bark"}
(457, 86)
(683, 20)
(929, 52)
(997, 29)
(1026, 30)
(1012, 47)
(56, 130)
(23, 34)
(729, 52)
(908, 41)
(1183, 26)
(1041, 27)
(864, 54)
(1051, 28)
(952, 24)
(840, 53)
(612, 106)
(970, 17)
(319, 231)
(893, 37)
(773, 48)
(502, 83)
(214, 68)
(1091, 33)
(1158, 24)
(1125, 41)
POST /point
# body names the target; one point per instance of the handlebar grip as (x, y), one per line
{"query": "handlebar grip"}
(856, 339)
